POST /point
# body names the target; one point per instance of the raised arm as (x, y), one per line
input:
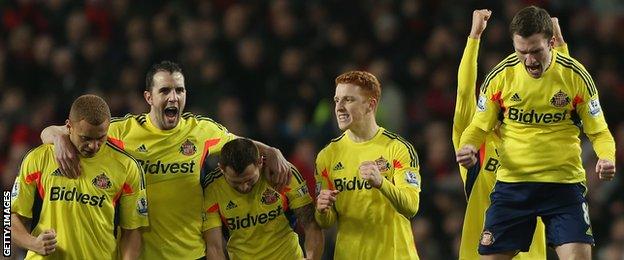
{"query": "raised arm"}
(467, 76)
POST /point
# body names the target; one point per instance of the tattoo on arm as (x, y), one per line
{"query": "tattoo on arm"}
(305, 214)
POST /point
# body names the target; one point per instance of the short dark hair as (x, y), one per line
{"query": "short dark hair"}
(238, 154)
(531, 20)
(165, 65)
(91, 108)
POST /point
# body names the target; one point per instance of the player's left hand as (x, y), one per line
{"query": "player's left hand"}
(605, 169)
(279, 168)
(370, 172)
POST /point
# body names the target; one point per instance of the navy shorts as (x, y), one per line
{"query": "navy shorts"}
(511, 218)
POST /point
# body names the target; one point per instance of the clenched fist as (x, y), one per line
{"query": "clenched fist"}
(370, 172)
(605, 169)
(479, 22)
(326, 200)
(467, 156)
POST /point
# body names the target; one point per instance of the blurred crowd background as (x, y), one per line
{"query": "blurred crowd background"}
(265, 70)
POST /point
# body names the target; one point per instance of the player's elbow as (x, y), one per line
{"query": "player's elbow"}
(410, 211)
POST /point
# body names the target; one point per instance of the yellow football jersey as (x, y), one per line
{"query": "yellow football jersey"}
(541, 118)
(259, 223)
(82, 211)
(479, 180)
(172, 161)
(372, 223)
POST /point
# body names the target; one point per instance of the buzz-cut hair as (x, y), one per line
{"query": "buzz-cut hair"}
(531, 20)
(238, 154)
(168, 66)
(90, 108)
(365, 80)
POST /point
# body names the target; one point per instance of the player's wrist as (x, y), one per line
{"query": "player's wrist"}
(475, 36)
(379, 183)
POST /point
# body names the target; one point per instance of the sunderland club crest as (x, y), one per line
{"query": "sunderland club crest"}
(102, 181)
(560, 99)
(188, 148)
(269, 197)
(382, 164)
(487, 238)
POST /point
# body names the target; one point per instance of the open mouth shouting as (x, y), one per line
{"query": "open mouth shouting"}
(534, 70)
(171, 115)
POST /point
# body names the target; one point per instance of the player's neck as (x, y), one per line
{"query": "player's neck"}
(363, 132)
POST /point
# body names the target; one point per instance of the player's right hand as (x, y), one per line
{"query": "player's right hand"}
(66, 156)
(557, 36)
(325, 200)
(605, 169)
(467, 156)
(479, 22)
(45, 243)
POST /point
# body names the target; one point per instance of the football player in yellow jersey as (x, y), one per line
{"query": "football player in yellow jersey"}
(171, 147)
(543, 96)
(111, 185)
(257, 217)
(479, 180)
(368, 178)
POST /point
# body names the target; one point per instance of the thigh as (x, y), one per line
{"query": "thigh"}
(565, 213)
(510, 220)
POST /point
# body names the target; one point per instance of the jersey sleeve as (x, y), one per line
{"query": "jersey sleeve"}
(26, 186)
(488, 106)
(297, 190)
(591, 114)
(404, 188)
(134, 210)
(588, 106)
(466, 96)
(323, 182)
(212, 217)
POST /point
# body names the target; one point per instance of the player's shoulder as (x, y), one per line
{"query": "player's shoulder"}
(399, 144)
(127, 121)
(210, 177)
(117, 154)
(39, 152)
(507, 63)
(202, 121)
(333, 145)
(392, 138)
(572, 68)
(568, 62)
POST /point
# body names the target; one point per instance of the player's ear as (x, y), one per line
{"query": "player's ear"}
(68, 124)
(148, 97)
(261, 160)
(372, 103)
(221, 168)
